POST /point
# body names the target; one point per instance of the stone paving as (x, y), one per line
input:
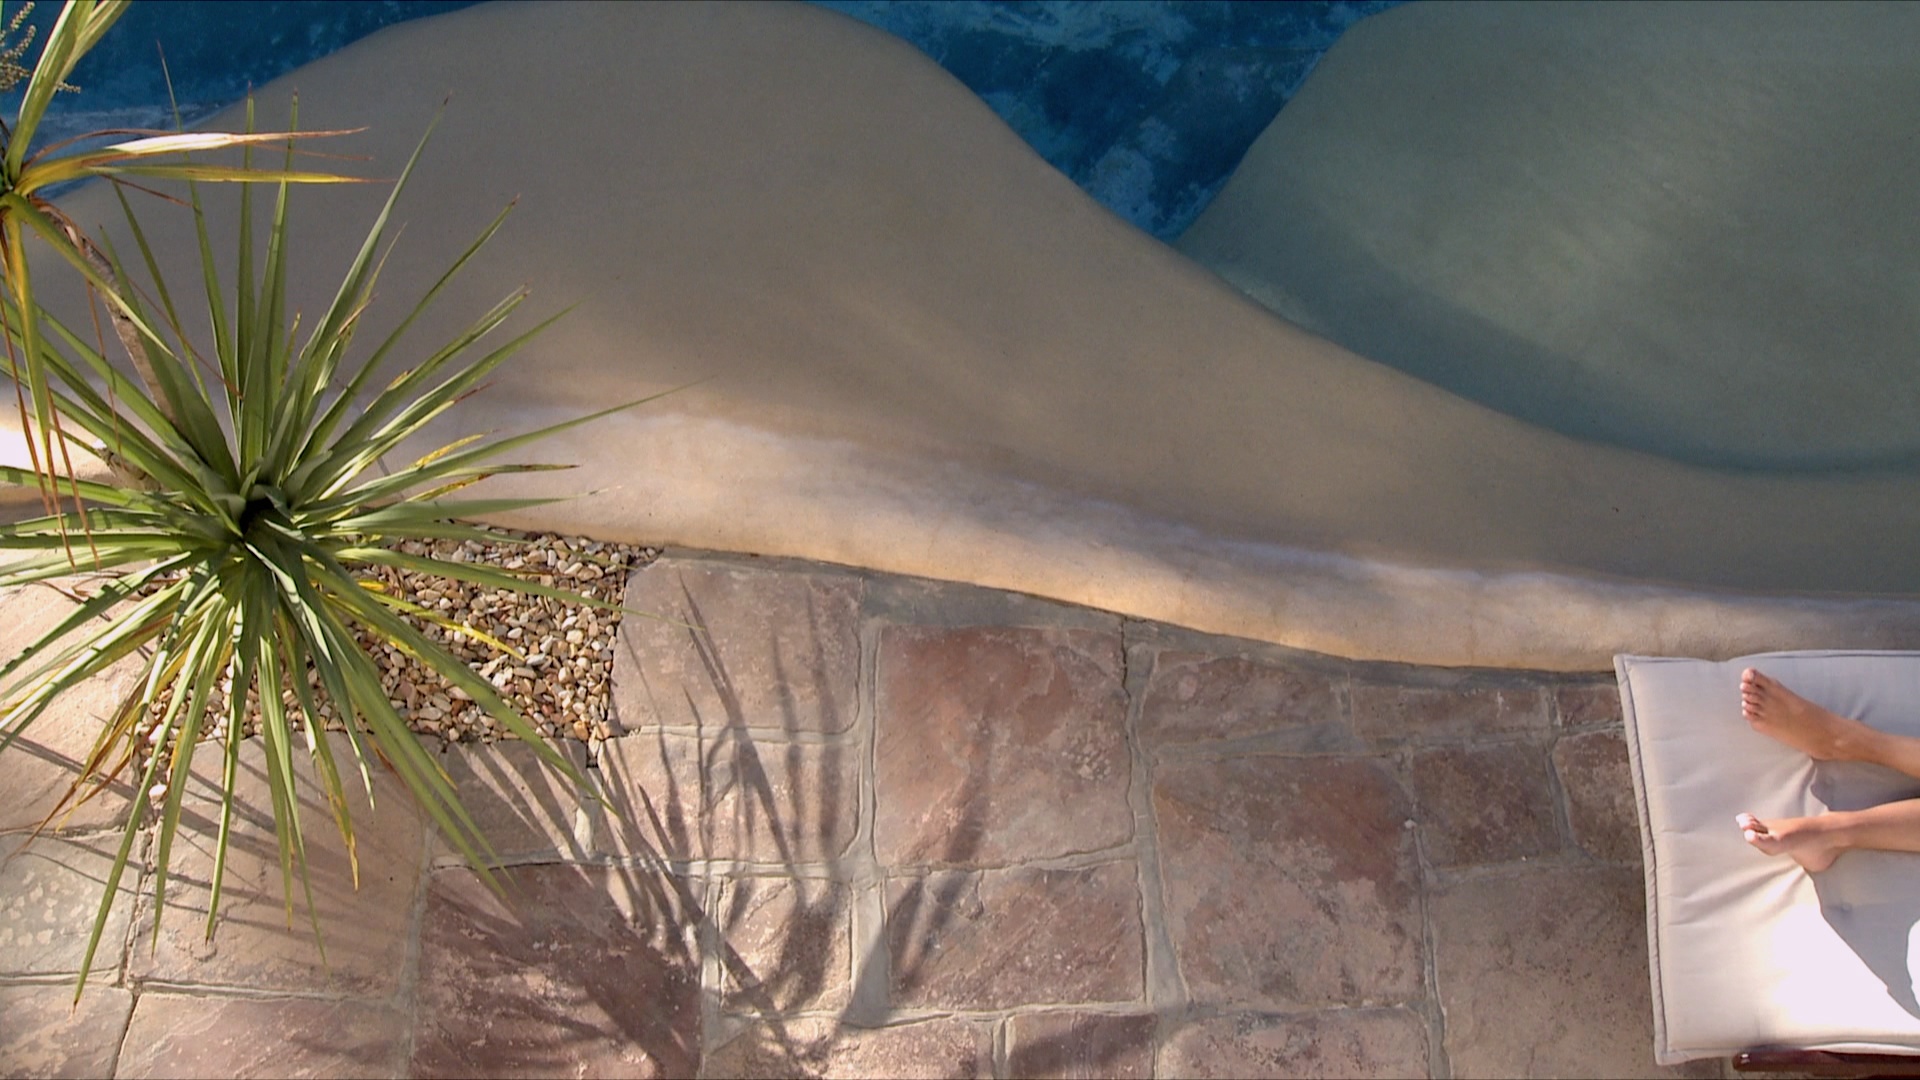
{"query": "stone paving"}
(859, 825)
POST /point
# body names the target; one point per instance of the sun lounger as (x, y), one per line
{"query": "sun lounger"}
(1752, 957)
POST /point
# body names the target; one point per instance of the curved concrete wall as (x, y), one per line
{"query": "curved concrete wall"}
(930, 353)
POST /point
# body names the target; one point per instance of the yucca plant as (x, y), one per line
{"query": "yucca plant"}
(244, 517)
(241, 563)
(27, 171)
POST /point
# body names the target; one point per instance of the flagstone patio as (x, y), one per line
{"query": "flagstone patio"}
(860, 825)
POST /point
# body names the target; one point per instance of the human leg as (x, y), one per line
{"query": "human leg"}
(1815, 842)
(1773, 710)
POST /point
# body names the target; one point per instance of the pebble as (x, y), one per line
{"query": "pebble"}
(560, 683)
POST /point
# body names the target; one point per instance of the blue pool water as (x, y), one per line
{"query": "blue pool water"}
(1147, 104)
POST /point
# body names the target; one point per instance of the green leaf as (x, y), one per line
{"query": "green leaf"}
(205, 657)
(322, 354)
(105, 493)
(399, 482)
(366, 440)
(236, 544)
(79, 661)
(185, 392)
(79, 27)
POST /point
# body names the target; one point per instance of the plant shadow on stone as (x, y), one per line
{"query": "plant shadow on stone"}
(805, 987)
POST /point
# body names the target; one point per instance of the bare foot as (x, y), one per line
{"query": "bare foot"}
(1774, 710)
(1802, 838)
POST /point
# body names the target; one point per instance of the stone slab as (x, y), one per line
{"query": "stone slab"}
(795, 940)
(1484, 804)
(1390, 714)
(526, 809)
(37, 771)
(257, 944)
(894, 598)
(581, 970)
(1544, 973)
(1592, 705)
(731, 644)
(1081, 1045)
(946, 1049)
(50, 892)
(1598, 782)
(1362, 1043)
(997, 939)
(174, 1035)
(1289, 882)
(729, 796)
(997, 744)
(43, 1034)
(1197, 697)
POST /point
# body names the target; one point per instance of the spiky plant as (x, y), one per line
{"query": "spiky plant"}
(243, 516)
(28, 171)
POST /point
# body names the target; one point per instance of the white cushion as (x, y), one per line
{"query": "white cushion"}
(1749, 951)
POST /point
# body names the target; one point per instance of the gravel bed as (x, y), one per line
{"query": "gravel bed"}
(561, 678)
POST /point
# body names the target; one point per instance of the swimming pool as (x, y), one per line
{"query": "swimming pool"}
(1147, 104)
